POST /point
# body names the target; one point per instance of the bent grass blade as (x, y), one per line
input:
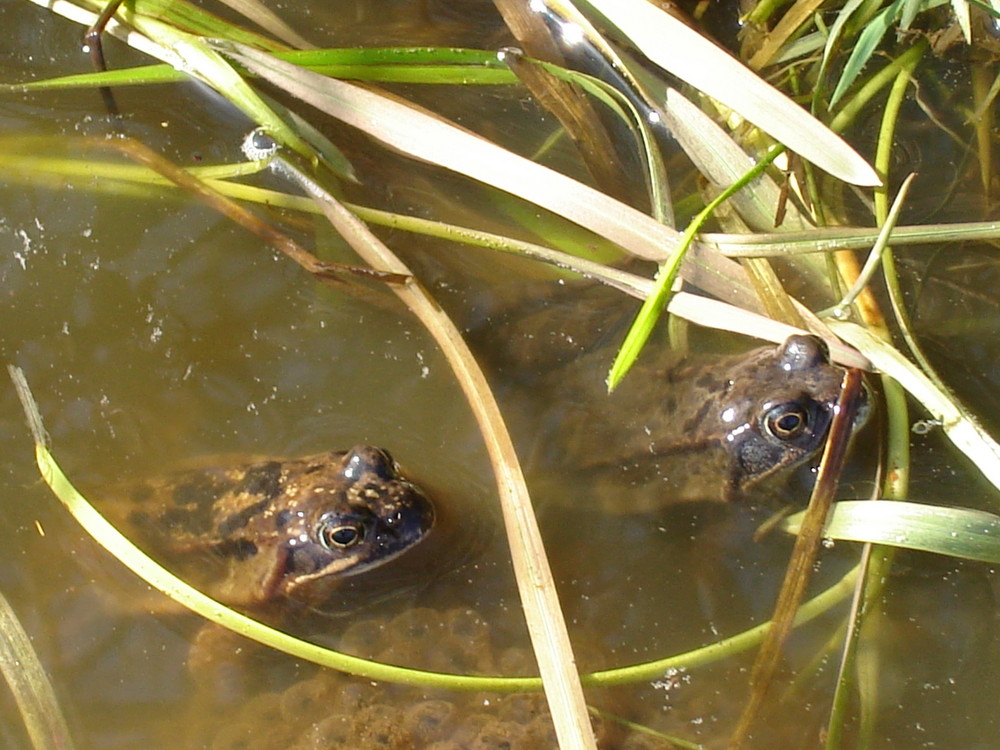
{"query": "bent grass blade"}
(30, 685)
(161, 579)
(958, 425)
(685, 53)
(536, 584)
(965, 533)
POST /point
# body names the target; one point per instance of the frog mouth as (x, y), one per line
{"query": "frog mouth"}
(394, 535)
(308, 571)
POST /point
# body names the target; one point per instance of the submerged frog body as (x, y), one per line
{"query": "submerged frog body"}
(274, 530)
(698, 428)
(705, 428)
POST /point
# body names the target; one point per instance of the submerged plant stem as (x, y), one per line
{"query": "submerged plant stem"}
(535, 582)
(161, 579)
(803, 556)
(30, 686)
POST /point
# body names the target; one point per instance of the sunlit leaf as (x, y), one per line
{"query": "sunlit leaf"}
(422, 135)
(864, 48)
(685, 53)
(958, 532)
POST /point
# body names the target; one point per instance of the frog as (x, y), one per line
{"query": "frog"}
(700, 427)
(266, 532)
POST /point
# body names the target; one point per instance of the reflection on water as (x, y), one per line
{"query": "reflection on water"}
(155, 333)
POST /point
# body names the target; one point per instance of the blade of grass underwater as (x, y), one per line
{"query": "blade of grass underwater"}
(691, 57)
(438, 141)
(536, 585)
(139, 563)
(30, 685)
(960, 427)
(957, 532)
(268, 20)
(829, 239)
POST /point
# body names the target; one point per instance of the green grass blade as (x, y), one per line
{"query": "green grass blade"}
(865, 48)
(957, 532)
(642, 327)
(429, 65)
(682, 51)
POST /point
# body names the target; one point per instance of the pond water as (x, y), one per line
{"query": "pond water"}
(156, 334)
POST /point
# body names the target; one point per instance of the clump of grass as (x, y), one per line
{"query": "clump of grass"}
(837, 61)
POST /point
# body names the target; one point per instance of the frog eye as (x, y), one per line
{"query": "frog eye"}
(787, 421)
(335, 536)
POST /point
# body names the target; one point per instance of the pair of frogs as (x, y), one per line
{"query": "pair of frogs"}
(699, 429)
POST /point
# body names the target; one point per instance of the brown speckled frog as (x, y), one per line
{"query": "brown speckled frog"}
(703, 427)
(270, 530)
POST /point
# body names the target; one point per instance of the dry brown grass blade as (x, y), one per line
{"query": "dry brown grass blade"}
(536, 586)
(803, 557)
(433, 139)
(323, 270)
(789, 24)
(564, 100)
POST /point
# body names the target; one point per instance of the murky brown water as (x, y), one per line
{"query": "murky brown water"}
(154, 331)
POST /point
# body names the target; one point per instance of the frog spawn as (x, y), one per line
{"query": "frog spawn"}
(330, 710)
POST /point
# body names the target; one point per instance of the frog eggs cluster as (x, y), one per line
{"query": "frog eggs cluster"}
(330, 710)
